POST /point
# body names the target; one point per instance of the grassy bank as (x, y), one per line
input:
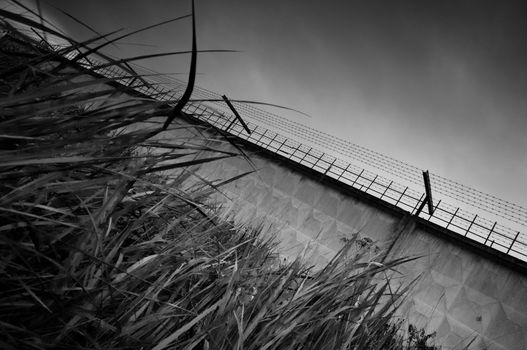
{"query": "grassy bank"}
(102, 247)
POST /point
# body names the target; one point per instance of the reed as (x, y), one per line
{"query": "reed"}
(102, 246)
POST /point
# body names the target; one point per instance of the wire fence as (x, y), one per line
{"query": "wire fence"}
(207, 107)
(453, 218)
(460, 193)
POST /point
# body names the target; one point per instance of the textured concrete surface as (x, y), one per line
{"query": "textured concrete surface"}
(462, 296)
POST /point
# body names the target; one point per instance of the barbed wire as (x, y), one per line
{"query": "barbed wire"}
(449, 188)
(364, 179)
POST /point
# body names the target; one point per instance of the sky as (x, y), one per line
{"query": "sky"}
(438, 84)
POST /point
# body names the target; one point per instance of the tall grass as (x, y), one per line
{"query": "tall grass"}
(101, 245)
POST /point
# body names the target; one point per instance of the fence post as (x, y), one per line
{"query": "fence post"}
(283, 142)
(269, 144)
(428, 191)
(470, 226)
(329, 167)
(435, 208)
(236, 115)
(371, 183)
(261, 136)
(171, 96)
(452, 218)
(360, 175)
(223, 120)
(417, 204)
(491, 230)
(231, 124)
(132, 81)
(319, 158)
(513, 241)
(343, 171)
(204, 117)
(162, 95)
(305, 155)
(382, 195)
(294, 151)
(402, 194)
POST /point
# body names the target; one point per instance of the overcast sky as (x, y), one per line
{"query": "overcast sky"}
(438, 84)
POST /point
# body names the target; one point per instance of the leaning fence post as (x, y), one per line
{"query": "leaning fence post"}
(236, 115)
(269, 143)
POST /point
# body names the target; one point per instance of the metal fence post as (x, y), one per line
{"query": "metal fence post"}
(261, 136)
(329, 167)
(343, 171)
(391, 182)
(371, 183)
(305, 155)
(283, 142)
(360, 175)
(294, 151)
(319, 158)
(470, 226)
(402, 194)
(513, 241)
(231, 124)
(417, 204)
(491, 230)
(435, 208)
(269, 144)
(452, 218)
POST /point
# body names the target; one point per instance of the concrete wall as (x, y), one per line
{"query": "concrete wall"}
(463, 296)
